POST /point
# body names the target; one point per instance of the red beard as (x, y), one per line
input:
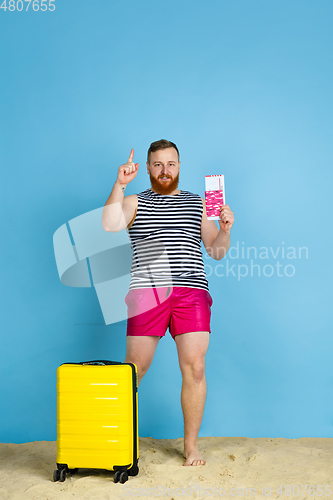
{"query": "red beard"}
(164, 188)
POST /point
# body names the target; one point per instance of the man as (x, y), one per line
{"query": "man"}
(169, 286)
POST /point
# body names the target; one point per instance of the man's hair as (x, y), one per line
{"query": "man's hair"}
(161, 144)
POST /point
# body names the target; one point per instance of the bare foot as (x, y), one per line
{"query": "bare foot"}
(193, 457)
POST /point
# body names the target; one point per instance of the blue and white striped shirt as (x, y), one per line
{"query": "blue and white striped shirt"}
(166, 241)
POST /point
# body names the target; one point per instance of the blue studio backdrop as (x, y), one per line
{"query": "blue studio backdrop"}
(244, 88)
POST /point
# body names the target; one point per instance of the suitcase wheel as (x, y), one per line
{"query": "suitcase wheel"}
(123, 477)
(56, 475)
(62, 475)
(59, 475)
(120, 476)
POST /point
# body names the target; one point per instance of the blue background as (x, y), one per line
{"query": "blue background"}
(244, 88)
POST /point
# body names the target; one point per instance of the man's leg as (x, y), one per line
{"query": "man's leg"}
(140, 351)
(192, 348)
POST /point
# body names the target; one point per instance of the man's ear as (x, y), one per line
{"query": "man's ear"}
(147, 167)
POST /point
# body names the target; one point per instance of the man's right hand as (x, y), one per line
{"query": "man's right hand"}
(127, 172)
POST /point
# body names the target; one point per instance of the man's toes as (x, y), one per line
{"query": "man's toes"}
(191, 460)
(198, 462)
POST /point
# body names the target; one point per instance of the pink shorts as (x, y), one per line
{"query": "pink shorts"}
(151, 311)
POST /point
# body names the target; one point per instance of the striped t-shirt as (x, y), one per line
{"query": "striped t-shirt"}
(166, 241)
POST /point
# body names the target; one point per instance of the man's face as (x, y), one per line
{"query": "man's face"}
(164, 170)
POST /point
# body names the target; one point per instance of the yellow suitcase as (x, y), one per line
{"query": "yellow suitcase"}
(97, 418)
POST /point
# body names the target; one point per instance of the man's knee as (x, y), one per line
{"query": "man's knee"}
(194, 370)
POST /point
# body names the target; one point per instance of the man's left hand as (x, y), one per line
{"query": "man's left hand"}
(226, 219)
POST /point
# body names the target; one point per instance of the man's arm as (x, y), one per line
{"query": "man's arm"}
(217, 241)
(118, 210)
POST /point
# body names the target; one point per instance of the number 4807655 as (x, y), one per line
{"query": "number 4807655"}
(36, 5)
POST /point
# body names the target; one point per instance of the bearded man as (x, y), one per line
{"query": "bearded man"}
(169, 287)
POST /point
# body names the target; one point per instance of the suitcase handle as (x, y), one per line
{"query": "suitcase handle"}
(100, 362)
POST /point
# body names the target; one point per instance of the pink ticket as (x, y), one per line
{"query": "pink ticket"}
(214, 195)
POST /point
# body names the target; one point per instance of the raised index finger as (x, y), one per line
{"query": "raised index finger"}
(130, 158)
